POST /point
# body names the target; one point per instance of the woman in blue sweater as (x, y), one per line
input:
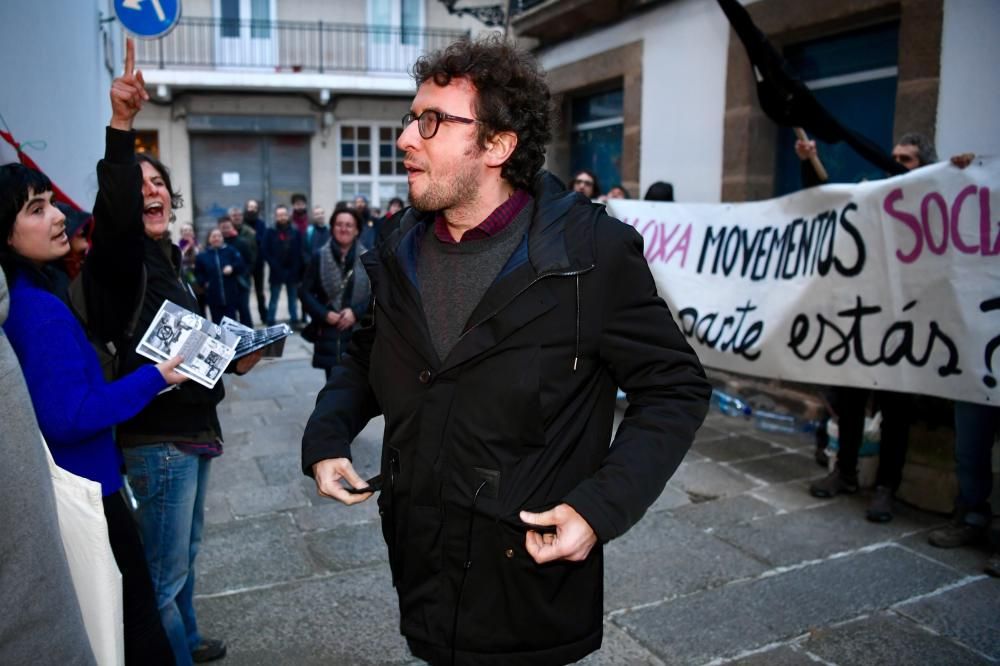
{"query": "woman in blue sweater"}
(75, 406)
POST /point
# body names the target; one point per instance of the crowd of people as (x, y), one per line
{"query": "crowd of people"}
(485, 322)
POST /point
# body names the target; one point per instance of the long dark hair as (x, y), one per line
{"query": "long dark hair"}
(17, 184)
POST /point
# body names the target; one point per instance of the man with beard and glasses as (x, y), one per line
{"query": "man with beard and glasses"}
(501, 330)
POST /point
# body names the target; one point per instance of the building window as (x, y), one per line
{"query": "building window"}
(370, 163)
(148, 141)
(596, 136)
(854, 76)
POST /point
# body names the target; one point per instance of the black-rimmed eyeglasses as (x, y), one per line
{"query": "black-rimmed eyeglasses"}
(429, 121)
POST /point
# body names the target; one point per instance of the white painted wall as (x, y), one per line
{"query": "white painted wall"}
(55, 86)
(967, 119)
(683, 91)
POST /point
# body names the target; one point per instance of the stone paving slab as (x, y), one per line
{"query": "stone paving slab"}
(885, 638)
(726, 511)
(349, 618)
(619, 649)
(739, 447)
(325, 514)
(661, 557)
(790, 496)
(709, 480)
(349, 547)
(707, 433)
(970, 613)
(246, 502)
(780, 468)
(733, 619)
(783, 655)
(235, 472)
(247, 553)
(814, 533)
(671, 498)
(970, 560)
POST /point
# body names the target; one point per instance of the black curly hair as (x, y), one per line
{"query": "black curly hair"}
(512, 96)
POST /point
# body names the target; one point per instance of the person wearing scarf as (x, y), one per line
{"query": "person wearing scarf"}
(336, 290)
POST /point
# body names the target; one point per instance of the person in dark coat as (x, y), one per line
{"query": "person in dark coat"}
(336, 290)
(252, 218)
(316, 236)
(246, 246)
(282, 250)
(169, 446)
(218, 269)
(501, 330)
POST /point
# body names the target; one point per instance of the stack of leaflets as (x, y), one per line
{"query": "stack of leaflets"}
(207, 348)
(270, 340)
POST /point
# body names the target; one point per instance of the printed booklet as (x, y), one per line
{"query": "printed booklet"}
(207, 348)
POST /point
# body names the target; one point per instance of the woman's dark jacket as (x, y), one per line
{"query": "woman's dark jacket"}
(331, 343)
(521, 410)
(125, 268)
(220, 289)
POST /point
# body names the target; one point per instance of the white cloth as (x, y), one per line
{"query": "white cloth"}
(92, 565)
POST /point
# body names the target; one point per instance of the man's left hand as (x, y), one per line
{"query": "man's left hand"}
(572, 541)
(245, 364)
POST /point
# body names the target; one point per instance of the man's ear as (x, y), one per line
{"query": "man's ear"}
(499, 148)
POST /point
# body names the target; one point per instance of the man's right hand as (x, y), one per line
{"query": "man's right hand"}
(128, 92)
(332, 317)
(328, 474)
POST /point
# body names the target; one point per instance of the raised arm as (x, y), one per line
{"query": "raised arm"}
(112, 274)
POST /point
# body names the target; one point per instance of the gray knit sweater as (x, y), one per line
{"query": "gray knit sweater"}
(454, 278)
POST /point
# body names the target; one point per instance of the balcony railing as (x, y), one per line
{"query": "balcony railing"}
(291, 46)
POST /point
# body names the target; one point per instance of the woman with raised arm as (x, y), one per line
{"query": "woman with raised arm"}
(168, 447)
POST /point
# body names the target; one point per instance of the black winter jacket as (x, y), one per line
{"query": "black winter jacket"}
(123, 260)
(518, 416)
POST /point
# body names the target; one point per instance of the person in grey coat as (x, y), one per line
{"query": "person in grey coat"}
(40, 618)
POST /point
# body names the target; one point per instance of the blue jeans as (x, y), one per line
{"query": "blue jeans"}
(975, 427)
(292, 290)
(169, 486)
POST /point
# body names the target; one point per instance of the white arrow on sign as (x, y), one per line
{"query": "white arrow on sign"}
(137, 5)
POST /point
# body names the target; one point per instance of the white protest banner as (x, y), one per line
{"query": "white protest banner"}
(890, 284)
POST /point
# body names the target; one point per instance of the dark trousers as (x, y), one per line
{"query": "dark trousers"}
(145, 640)
(850, 404)
(975, 429)
(220, 311)
(244, 307)
(258, 288)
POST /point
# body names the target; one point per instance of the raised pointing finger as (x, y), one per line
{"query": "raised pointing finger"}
(129, 56)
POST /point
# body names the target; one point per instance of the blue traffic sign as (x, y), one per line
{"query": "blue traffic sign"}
(148, 19)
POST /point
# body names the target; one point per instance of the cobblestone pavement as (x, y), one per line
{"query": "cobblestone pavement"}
(735, 563)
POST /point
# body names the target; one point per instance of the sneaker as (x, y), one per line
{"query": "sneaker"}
(993, 565)
(209, 649)
(833, 484)
(880, 509)
(955, 534)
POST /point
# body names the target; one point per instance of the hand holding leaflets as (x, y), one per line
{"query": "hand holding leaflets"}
(206, 348)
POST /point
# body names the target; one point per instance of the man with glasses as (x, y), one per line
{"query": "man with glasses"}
(506, 313)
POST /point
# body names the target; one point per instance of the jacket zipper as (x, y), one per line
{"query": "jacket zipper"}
(526, 288)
